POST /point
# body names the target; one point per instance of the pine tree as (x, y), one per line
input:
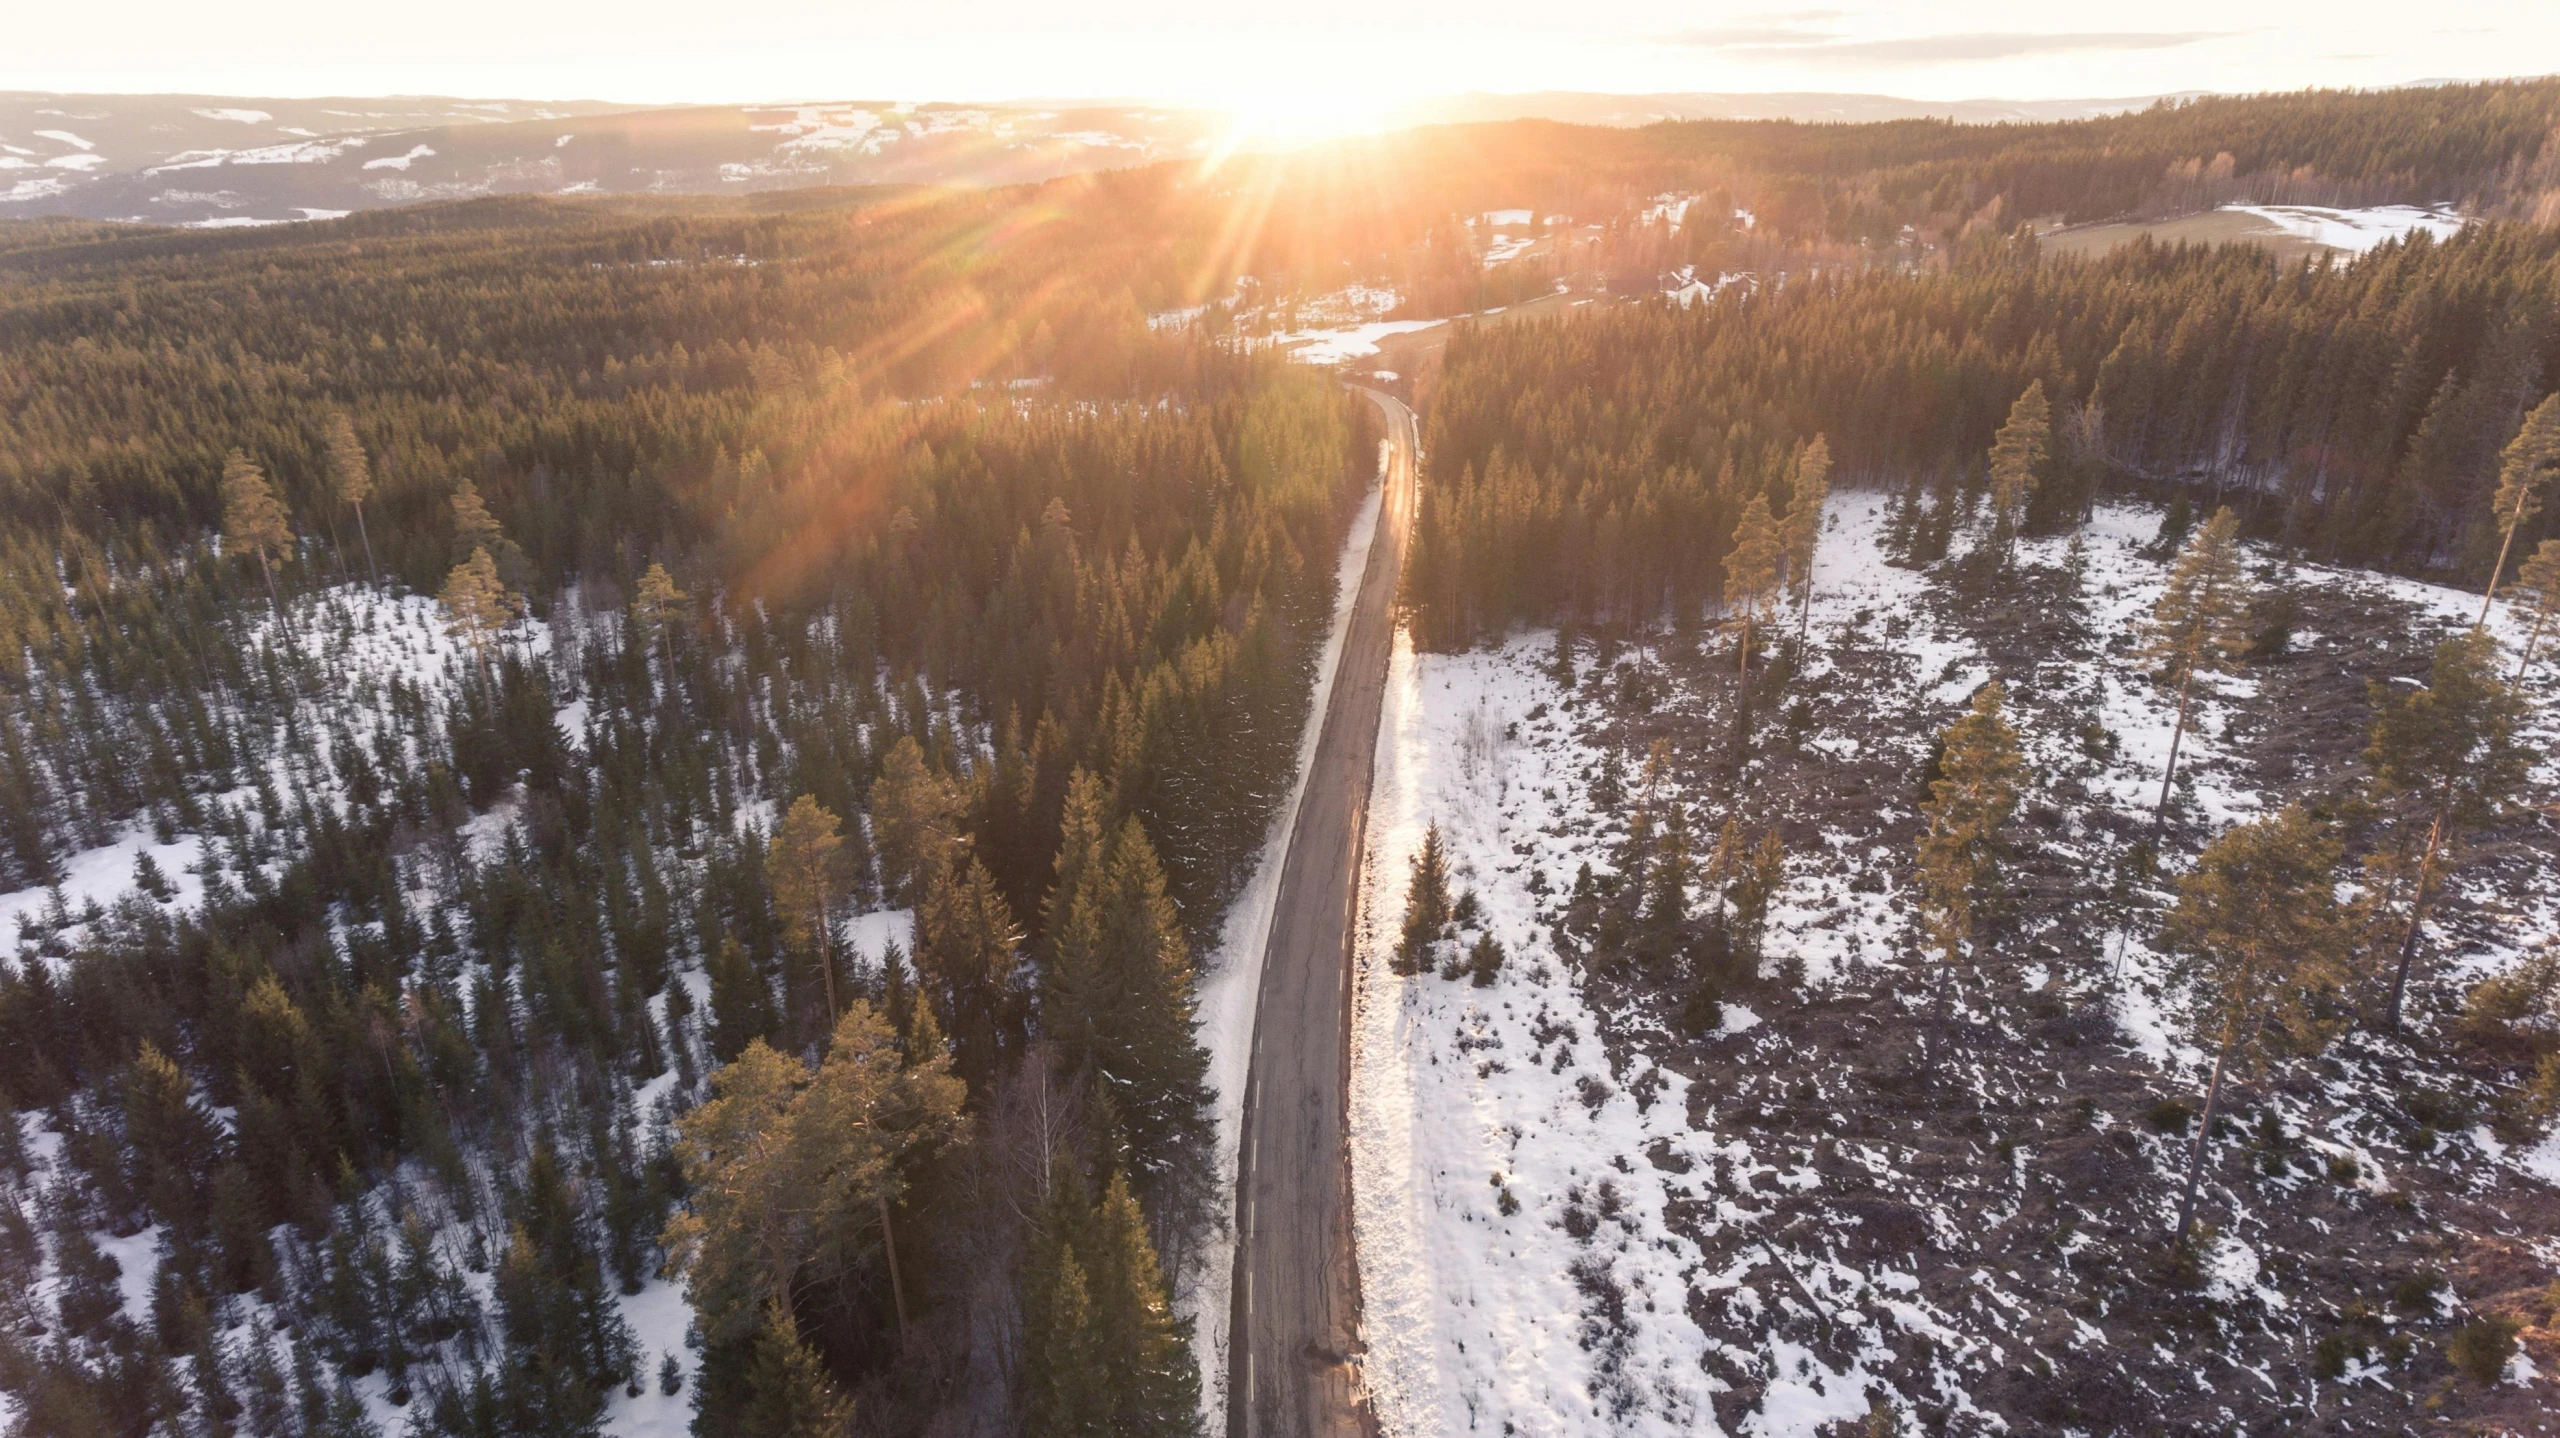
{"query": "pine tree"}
(2199, 624)
(2525, 468)
(1750, 573)
(785, 1167)
(2264, 944)
(789, 1394)
(1977, 789)
(1426, 909)
(2017, 457)
(657, 603)
(2539, 578)
(804, 864)
(350, 478)
(253, 518)
(1808, 494)
(2449, 752)
(915, 820)
(476, 605)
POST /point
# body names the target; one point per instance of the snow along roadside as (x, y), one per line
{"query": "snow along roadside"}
(1231, 984)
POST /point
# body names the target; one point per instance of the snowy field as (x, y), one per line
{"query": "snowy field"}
(1531, 1200)
(2357, 231)
(1481, 1118)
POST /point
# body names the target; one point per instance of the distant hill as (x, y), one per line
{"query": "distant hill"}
(216, 160)
(213, 160)
(1581, 108)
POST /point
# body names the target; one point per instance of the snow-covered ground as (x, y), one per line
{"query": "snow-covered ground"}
(2357, 231)
(1333, 346)
(1515, 1180)
(355, 640)
(1483, 1119)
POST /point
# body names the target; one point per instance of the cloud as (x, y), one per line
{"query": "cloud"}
(1775, 42)
(1728, 37)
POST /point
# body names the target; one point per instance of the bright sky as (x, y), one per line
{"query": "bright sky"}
(1341, 60)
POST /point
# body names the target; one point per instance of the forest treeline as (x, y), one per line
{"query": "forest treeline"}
(1599, 467)
(849, 621)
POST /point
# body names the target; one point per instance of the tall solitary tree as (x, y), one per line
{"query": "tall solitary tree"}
(2445, 756)
(2525, 468)
(2264, 944)
(1979, 772)
(2017, 455)
(2539, 578)
(253, 518)
(1809, 492)
(477, 604)
(804, 862)
(1750, 574)
(656, 603)
(351, 479)
(2199, 625)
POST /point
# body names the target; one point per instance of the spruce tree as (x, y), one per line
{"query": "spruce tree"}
(1069, 1396)
(1119, 1002)
(2198, 625)
(170, 1139)
(1976, 791)
(741, 1001)
(789, 1394)
(2264, 948)
(1426, 908)
(1153, 1383)
(474, 527)
(967, 949)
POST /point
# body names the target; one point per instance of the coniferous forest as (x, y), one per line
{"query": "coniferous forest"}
(636, 746)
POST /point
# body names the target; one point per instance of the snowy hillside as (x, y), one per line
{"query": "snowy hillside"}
(216, 162)
(1587, 1207)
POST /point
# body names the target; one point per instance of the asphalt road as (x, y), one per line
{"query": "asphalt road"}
(1293, 1369)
